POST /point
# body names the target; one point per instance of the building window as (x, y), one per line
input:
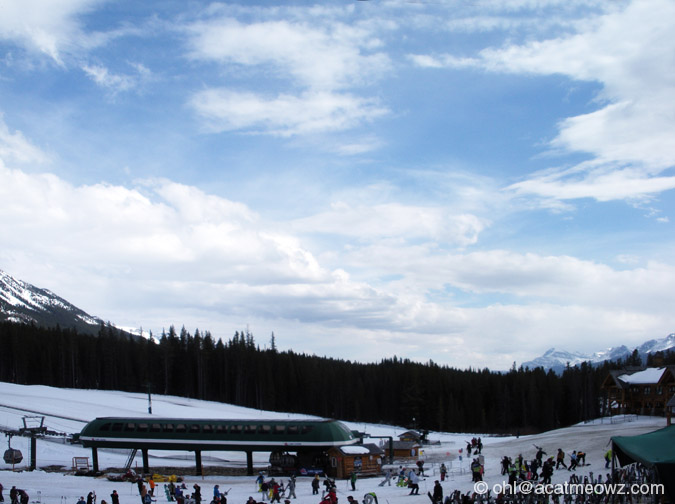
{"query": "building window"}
(659, 390)
(647, 390)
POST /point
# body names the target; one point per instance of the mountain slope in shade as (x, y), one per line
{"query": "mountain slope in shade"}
(557, 360)
(23, 302)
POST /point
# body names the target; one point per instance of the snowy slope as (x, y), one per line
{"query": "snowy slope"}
(23, 302)
(67, 410)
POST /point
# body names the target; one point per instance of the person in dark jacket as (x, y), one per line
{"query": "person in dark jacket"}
(438, 492)
(114, 497)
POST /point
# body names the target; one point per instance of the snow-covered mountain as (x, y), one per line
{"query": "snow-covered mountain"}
(23, 302)
(557, 360)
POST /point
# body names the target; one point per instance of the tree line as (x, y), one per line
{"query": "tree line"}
(393, 391)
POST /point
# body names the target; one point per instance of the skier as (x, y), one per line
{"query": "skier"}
(276, 491)
(413, 483)
(420, 467)
(581, 458)
(560, 459)
(506, 462)
(573, 461)
(291, 487)
(352, 480)
(315, 485)
(476, 471)
(443, 470)
(264, 489)
(540, 453)
(114, 497)
(547, 471)
(387, 478)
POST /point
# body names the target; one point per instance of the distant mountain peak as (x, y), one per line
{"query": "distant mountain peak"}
(557, 360)
(26, 303)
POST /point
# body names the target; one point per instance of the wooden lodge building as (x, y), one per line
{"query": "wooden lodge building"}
(639, 391)
(363, 459)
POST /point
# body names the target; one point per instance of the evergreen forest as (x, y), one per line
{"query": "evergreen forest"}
(396, 391)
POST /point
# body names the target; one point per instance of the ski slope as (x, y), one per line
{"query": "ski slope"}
(68, 410)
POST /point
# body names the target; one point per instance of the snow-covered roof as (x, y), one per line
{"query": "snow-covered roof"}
(649, 375)
(355, 450)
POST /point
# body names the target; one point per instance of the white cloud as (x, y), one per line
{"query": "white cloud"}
(317, 61)
(166, 253)
(46, 26)
(315, 54)
(394, 220)
(15, 148)
(631, 53)
(629, 50)
(283, 115)
(116, 82)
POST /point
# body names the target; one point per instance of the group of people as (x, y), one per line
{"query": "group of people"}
(520, 469)
(274, 490)
(16, 495)
(475, 446)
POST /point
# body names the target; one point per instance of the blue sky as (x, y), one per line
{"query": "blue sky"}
(468, 182)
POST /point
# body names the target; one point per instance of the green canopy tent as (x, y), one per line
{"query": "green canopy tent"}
(654, 450)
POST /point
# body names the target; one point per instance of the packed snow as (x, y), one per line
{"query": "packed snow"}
(68, 410)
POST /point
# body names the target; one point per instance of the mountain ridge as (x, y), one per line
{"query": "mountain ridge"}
(28, 304)
(557, 360)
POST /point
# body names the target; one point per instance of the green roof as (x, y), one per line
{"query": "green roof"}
(654, 449)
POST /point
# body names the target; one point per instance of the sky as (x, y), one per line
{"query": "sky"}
(469, 182)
